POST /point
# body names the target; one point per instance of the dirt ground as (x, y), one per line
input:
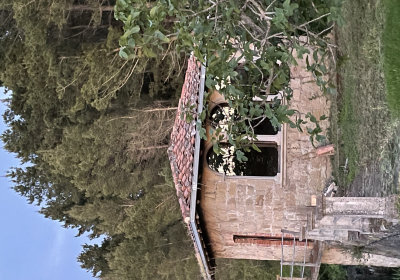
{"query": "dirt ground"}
(371, 182)
(367, 182)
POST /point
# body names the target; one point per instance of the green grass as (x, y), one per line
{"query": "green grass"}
(332, 272)
(361, 124)
(391, 41)
(396, 275)
(255, 269)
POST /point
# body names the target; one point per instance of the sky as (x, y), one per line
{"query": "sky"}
(31, 246)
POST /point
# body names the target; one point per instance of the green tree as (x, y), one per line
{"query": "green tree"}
(75, 115)
(260, 37)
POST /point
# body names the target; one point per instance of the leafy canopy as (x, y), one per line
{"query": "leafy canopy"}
(247, 47)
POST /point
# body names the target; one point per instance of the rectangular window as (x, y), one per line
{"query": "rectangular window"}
(268, 163)
(264, 163)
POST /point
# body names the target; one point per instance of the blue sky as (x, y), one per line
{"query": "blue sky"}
(32, 247)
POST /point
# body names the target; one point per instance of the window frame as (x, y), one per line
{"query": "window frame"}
(278, 139)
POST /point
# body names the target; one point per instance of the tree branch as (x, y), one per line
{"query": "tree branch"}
(245, 19)
(318, 18)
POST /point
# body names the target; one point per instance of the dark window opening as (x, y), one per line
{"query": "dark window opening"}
(257, 164)
(354, 235)
(263, 127)
(222, 114)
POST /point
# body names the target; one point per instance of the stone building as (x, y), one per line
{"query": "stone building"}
(276, 201)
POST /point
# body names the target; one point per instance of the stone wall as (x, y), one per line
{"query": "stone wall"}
(254, 207)
(336, 256)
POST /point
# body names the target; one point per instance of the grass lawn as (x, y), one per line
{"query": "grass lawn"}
(362, 126)
(249, 269)
(391, 41)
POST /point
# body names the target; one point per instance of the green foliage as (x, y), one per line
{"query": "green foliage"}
(152, 243)
(257, 37)
(232, 269)
(332, 272)
(93, 130)
(246, 269)
(358, 253)
(396, 275)
(391, 42)
(155, 256)
(93, 257)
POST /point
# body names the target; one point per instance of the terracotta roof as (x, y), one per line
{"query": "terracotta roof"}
(181, 149)
(181, 153)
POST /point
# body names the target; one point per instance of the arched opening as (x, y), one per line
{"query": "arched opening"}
(220, 115)
(264, 163)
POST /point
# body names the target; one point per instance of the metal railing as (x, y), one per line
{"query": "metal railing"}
(293, 263)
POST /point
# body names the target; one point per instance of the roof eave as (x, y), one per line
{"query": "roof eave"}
(193, 198)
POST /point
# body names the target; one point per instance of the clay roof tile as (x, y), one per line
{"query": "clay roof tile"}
(181, 149)
(182, 138)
